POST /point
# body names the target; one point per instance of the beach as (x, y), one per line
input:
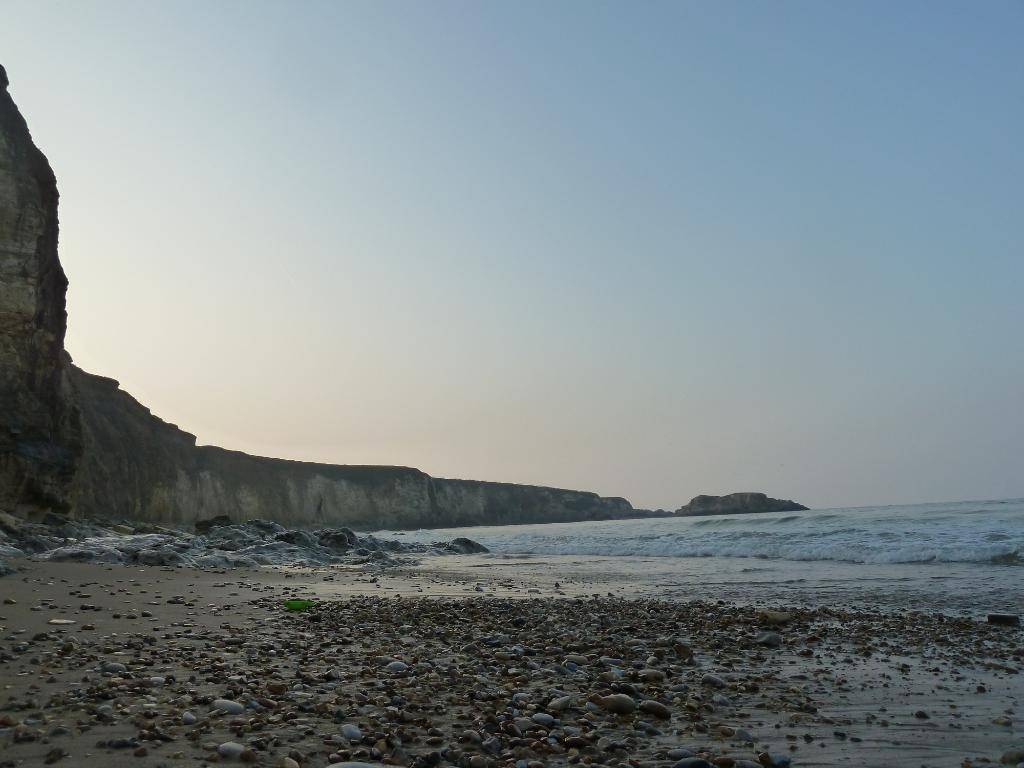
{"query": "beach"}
(444, 663)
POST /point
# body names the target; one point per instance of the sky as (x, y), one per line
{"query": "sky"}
(647, 249)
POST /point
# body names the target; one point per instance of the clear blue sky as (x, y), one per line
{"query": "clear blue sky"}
(649, 249)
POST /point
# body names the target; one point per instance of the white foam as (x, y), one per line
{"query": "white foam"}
(985, 532)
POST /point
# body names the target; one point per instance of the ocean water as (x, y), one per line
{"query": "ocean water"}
(959, 557)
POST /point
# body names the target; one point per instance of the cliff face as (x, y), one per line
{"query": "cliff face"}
(75, 443)
(39, 430)
(136, 466)
(737, 503)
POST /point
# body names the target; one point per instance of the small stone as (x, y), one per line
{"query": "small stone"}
(397, 666)
(226, 705)
(769, 639)
(655, 708)
(693, 762)
(188, 718)
(230, 749)
(712, 681)
(618, 703)
(351, 732)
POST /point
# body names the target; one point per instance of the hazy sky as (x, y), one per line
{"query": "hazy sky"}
(647, 249)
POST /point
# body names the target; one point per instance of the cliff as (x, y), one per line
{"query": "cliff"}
(737, 503)
(39, 426)
(136, 466)
(75, 443)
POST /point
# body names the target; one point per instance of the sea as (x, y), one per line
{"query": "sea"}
(960, 557)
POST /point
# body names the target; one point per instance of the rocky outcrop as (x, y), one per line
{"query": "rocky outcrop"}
(737, 503)
(39, 432)
(75, 443)
(226, 545)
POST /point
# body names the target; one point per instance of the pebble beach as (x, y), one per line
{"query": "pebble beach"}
(418, 666)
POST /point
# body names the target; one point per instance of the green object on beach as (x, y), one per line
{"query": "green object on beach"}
(298, 605)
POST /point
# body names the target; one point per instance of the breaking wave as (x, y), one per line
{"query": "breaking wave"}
(974, 532)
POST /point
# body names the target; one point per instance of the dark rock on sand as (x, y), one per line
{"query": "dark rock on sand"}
(249, 544)
(464, 546)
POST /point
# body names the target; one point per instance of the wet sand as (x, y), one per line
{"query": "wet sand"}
(452, 664)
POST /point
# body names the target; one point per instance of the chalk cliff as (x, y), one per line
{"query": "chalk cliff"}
(75, 443)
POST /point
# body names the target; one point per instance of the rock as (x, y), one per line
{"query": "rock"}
(543, 719)
(1004, 619)
(618, 704)
(712, 681)
(396, 666)
(230, 749)
(114, 667)
(693, 762)
(774, 618)
(464, 546)
(655, 708)
(769, 639)
(351, 732)
(228, 706)
(205, 526)
(187, 718)
(737, 503)
(560, 704)
(679, 753)
(158, 557)
(1012, 757)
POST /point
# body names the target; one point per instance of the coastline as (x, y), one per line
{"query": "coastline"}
(496, 666)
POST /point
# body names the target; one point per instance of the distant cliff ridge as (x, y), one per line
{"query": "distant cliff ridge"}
(736, 503)
(75, 443)
(137, 466)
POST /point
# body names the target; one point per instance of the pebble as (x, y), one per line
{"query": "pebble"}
(769, 639)
(226, 705)
(618, 703)
(543, 718)
(655, 708)
(230, 749)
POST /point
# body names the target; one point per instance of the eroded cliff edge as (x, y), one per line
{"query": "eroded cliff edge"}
(75, 443)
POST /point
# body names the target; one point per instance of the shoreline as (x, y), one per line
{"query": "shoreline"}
(494, 669)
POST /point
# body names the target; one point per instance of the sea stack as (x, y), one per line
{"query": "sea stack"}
(735, 504)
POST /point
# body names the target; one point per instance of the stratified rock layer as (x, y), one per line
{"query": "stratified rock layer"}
(39, 434)
(76, 443)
